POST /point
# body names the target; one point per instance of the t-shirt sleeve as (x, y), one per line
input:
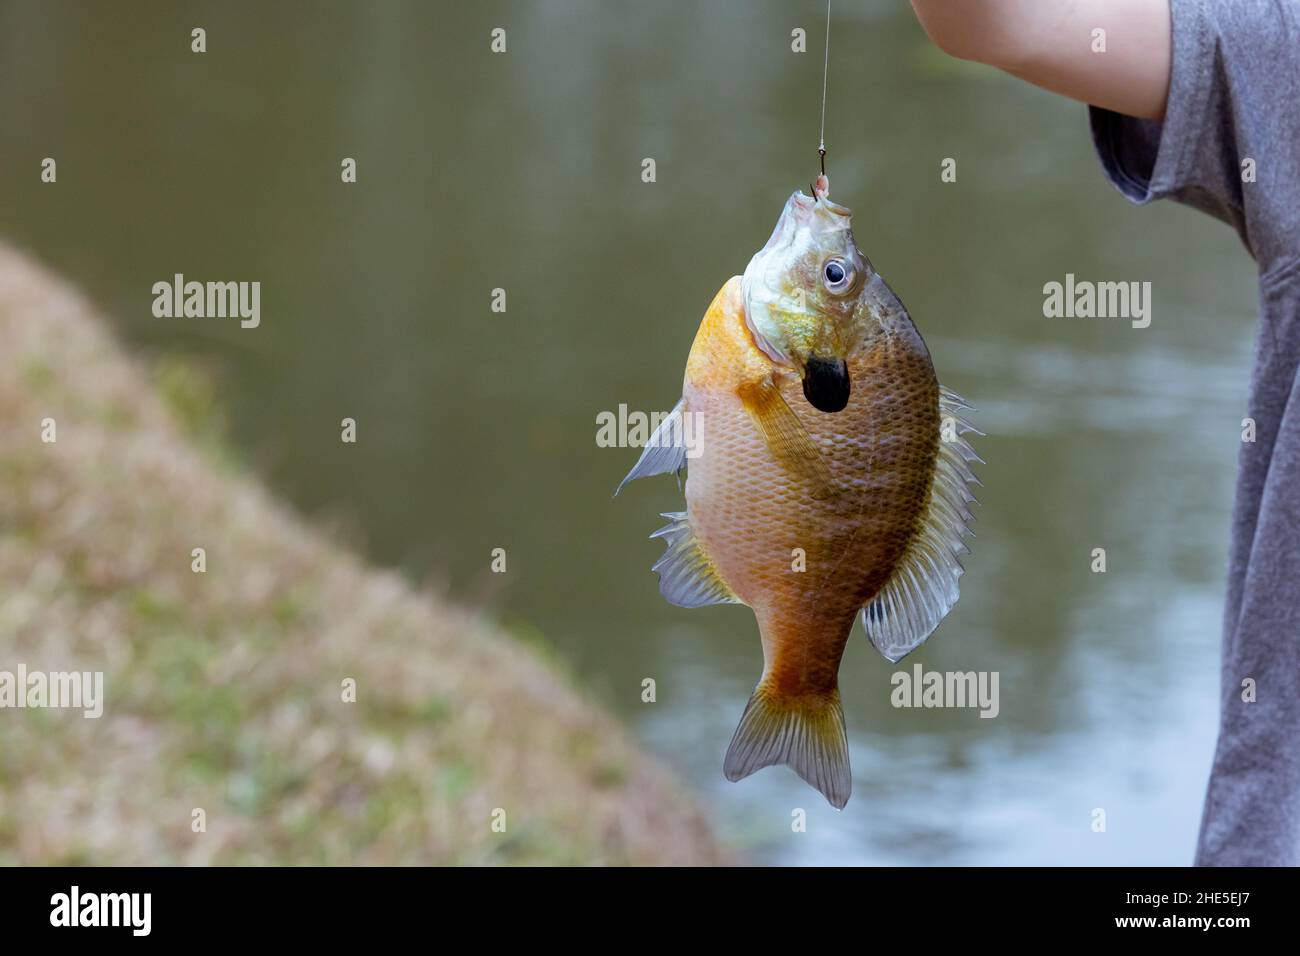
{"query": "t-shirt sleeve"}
(1223, 82)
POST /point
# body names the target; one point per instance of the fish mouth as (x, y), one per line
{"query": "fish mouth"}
(826, 383)
(812, 203)
(800, 210)
(768, 303)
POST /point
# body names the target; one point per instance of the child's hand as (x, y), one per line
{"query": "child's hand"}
(1053, 44)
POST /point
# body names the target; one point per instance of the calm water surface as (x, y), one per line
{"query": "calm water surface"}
(477, 430)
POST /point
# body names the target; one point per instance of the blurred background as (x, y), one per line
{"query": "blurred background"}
(477, 430)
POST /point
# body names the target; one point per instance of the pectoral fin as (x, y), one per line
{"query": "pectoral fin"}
(785, 436)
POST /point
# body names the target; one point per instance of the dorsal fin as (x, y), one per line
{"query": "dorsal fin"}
(923, 588)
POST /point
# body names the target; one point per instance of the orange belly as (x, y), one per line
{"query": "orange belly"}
(807, 564)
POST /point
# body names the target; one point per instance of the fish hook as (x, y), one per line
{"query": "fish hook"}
(821, 188)
(822, 181)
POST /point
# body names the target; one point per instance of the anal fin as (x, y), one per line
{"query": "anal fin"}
(687, 577)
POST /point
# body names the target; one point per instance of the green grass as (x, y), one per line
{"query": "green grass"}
(223, 689)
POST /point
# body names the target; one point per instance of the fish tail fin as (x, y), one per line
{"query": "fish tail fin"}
(805, 732)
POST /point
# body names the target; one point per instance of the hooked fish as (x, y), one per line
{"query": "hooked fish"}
(830, 476)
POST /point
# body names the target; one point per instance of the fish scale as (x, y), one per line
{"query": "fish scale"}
(749, 511)
(820, 427)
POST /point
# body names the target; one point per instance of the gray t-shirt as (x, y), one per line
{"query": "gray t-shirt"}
(1234, 98)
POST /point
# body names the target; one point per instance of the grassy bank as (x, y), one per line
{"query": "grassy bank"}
(224, 689)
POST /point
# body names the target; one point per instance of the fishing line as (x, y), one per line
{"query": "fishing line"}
(826, 67)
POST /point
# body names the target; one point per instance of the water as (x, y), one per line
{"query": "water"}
(477, 430)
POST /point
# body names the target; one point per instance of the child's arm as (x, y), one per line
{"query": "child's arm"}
(1050, 43)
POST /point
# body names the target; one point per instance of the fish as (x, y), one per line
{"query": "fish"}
(830, 478)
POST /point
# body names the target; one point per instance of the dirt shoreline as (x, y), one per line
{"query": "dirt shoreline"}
(224, 689)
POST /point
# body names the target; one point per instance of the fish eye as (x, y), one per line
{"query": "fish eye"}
(837, 275)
